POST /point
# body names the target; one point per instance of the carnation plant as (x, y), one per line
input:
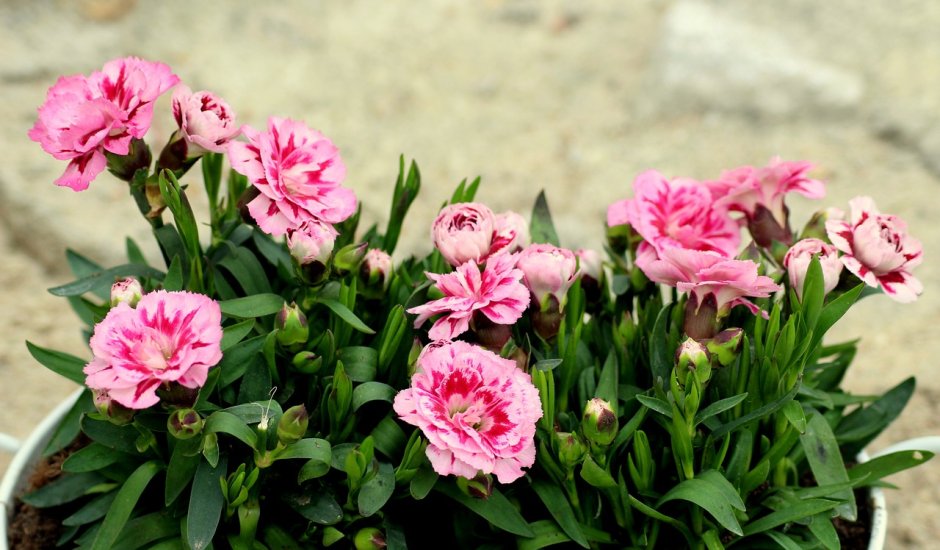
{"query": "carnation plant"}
(287, 381)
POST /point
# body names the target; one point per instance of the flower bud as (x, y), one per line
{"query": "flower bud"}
(464, 232)
(127, 290)
(369, 538)
(480, 487)
(800, 255)
(376, 269)
(112, 410)
(291, 326)
(570, 449)
(348, 259)
(312, 242)
(413, 355)
(293, 425)
(692, 358)
(599, 422)
(138, 157)
(548, 271)
(206, 122)
(640, 464)
(184, 423)
(726, 345)
(765, 228)
(307, 362)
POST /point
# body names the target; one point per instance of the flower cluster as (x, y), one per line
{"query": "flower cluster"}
(291, 376)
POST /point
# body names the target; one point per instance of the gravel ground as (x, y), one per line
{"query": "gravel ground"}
(573, 97)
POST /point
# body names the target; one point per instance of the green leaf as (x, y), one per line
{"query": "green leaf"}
(181, 468)
(883, 466)
(58, 362)
(793, 411)
(715, 495)
(376, 491)
(784, 541)
(177, 203)
(71, 424)
(497, 509)
(821, 527)
(124, 504)
(595, 475)
(718, 407)
(361, 362)
(244, 266)
(90, 458)
(234, 334)
(104, 279)
(834, 311)
(143, 531)
(861, 426)
(825, 460)
(119, 438)
(796, 511)
(608, 384)
(310, 448)
(371, 391)
(258, 305)
(655, 404)
(546, 533)
(661, 356)
(228, 423)
(67, 488)
(345, 314)
(93, 511)
(558, 506)
(814, 292)
(406, 189)
(205, 504)
(756, 414)
(174, 275)
(422, 483)
(541, 227)
(657, 515)
(319, 507)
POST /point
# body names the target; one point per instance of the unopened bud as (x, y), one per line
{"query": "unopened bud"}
(369, 538)
(307, 362)
(126, 291)
(376, 269)
(599, 422)
(184, 423)
(348, 258)
(124, 167)
(480, 487)
(291, 325)
(570, 449)
(765, 228)
(293, 425)
(726, 345)
(112, 410)
(692, 358)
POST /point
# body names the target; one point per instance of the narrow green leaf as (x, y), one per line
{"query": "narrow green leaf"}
(883, 466)
(497, 509)
(660, 354)
(90, 458)
(143, 531)
(124, 504)
(345, 314)
(608, 384)
(595, 475)
(834, 311)
(655, 404)
(319, 507)
(784, 541)
(244, 266)
(821, 527)
(310, 448)
(104, 279)
(71, 424)
(371, 391)
(258, 305)
(800, 510)
(422, 483)
(708, 496)
(67, 488)
(174, 275)
(861, 426)
(546, 533)
(58, 362)
(93, 511)
(205, 504)
(719, 407)
(234, 334)
(825, 460)
(119, 438)
(541, 227)
(756, 414)
(227, 423)
(793, 411)
(180, 470)
(558, 506)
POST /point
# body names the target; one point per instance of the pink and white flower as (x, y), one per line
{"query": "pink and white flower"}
(463, 232)
(704, 273)
(760, 192)
(878, 250)
(477, 410)
(84, 117)
(312, 242)
(495, 291)
(376, 267)
(511, 234)
(590, 263)
(800, 255)
(679, 213)
(298, 173)
(169, 337)
(548, 272)
(205, 120)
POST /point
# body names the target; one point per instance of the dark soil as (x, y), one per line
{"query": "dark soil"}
(855, 535)
(33, 528)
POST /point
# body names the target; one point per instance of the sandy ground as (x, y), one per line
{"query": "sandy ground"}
(576, 98)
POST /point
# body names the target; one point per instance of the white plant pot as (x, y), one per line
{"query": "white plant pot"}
(14, 481)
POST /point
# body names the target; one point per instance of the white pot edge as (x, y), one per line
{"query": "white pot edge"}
(25, 457)
(879, 513)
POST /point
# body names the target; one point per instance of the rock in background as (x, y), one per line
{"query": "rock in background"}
(573, 97)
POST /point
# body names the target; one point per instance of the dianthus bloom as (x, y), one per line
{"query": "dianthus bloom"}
(495, 292)
(205, 120)
(312, 242)
(679, 213)
(297, 172)
(84, 117)
(758, 193)
(477, 410)
(800, 255)
(878, 249)
(548, 271)
(709, 276)
(511, 234)
(168, 337)
(464, 232)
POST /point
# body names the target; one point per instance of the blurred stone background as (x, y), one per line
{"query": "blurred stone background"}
(574, 97)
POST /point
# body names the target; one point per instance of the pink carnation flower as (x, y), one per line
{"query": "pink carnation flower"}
(83, 117)
(298, 173)
(548, 271)
(477, 410)
(168, 337)
(495, 292)
(800, 255)
(205, 120)
(464, 232)
(758, 193)
(511, 234)
(878, 249)
(312, 242)
(707, 274)
(678, 213)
